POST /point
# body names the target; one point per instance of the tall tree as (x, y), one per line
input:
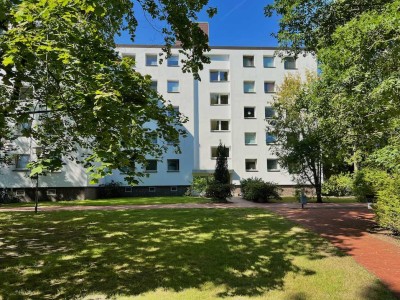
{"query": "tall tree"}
(221, 173)
(84, 102)
(302, 138)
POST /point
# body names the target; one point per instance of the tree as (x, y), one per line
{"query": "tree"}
(221, 173)
(82, 101)
(301, 137)
(220, 188)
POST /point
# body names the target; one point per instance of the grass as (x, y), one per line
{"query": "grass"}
(119, 201)
(173, 254)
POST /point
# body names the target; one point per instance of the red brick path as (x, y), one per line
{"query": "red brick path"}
(346, 227)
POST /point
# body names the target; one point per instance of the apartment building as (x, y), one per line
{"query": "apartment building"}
(230, 104)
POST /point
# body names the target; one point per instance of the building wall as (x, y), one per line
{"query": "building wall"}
(193, 100)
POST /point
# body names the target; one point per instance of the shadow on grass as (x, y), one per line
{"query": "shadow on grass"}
(66, 255)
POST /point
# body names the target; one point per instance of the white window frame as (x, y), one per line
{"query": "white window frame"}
(265, 112)
(250, 60)
(151, 171)
(254, 112)
(173, 61)
(17, 161)
(179, 165)
(266, 83)
(51, 192)
(251, 160)
(286, 61)
(150, 62)
(218, 96)
(220, 78)
(273, 62)
(255, 138)
(152, 189)
(216, 147)
(174, 189)
(250, 91)
(20, 192)
(219, 122)
(170, 88)
(128, 189)
(277, 165)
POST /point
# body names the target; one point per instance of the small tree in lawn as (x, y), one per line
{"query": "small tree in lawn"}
(221, 173)
(220, 188)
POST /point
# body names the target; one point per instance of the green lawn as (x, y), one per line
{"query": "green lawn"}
(173, 254)
(119, 201)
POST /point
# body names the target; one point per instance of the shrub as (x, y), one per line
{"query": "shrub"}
(219, 191)
(338, 185)
(367, 182)
(387, 207)
(198, 187)
(255, 189)
(110, 190)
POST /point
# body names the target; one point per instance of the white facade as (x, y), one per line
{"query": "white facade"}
(238, 83)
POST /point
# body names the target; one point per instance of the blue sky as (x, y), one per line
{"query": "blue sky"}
(237, 23)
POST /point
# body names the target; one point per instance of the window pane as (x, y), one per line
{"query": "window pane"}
(269, 87)
(270, 139)
(251, 164)
(214, 99)
(22, 161)
(154, 85)
(214, 125)
(224, 99)
(248, 61)
(223, 76)
(214, 152)
(250, 138)
(249, 112)
(290, 63)
(213, 75)
(248, 87)
(151, 60)
(151, 165)
(269, 112)
(272, 164)
(173, 164)
(268, 62)
(173, 61)
(173, 86)
(224, 125)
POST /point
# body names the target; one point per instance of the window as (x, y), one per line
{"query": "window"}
(174, 188)
(214, 153)
(249, 87)
(218, 76)
(250, 138)
(151, 165)
(219, 57)
(219, 125)
(272, 165)
(290, 63)
(128, 189)
(269, 138)
(173, 86)
(269, 62)
(152, 189)
(249, 112)
(153, 137)
(219, 99)
(269, 112)
(21, 161)
(173, 61)
(20, 193)
(51, 192)
(173, 165)
(251, 165)
(269, 87)
(151, 60)
(248, 61)
(154, 85)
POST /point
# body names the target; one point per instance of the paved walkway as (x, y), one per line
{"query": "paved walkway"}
(345, 225)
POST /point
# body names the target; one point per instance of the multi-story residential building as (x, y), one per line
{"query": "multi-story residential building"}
(230, 104)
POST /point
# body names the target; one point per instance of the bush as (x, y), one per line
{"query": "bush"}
(255, 189)
(198, 187)
(367, 182)
(387, 207)
(219, 191)
(338, 185)
(110, 190)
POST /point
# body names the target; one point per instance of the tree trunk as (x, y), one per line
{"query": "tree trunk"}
(37, 194)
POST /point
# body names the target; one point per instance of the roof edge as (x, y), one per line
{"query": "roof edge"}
(212, 47)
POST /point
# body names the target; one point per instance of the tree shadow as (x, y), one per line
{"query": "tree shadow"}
(67, 255)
